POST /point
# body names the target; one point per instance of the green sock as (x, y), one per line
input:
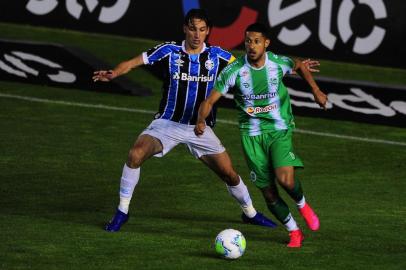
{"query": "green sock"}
(296, 193)
(280, 210)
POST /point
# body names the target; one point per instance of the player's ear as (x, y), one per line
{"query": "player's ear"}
(184, 29)
(267, 42)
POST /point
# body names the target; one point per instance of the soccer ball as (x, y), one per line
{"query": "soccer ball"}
(230, 244)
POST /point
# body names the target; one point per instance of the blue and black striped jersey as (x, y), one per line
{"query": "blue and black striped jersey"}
(187, 79)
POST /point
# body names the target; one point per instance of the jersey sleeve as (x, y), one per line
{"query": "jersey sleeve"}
(225, 80)
(223, 54)
(287, 64)
(232, 59)
(157, 53)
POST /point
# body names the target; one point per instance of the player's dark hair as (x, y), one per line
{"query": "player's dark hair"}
(197, 13)
(259, 28)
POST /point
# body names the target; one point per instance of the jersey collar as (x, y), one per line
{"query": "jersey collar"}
(247, 63)
(184, 48)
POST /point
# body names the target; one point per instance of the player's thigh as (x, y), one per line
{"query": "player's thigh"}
(168, 133)
(282, 152)
(144, 147)
(257, 160)
(206, 144)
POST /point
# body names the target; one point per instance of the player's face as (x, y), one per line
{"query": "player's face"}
(255, 45)
(196, 32)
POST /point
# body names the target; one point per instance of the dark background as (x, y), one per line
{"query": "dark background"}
(147, 19)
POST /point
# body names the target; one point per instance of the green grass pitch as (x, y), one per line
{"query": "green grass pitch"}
(60, 166)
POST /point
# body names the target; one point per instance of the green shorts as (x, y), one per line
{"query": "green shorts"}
(266, 152)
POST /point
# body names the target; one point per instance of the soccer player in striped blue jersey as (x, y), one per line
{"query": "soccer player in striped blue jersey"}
(189, 70)
(188, 78)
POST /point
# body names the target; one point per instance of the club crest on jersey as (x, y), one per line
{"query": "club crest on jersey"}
(209, 64)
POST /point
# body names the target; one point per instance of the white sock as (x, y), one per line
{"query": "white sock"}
(301, 203)
(129, 180)
(290, 223)
(240, 193)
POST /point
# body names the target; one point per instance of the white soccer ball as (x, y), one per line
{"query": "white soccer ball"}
(230, 244)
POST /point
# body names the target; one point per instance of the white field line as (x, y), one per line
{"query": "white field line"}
(114, 108)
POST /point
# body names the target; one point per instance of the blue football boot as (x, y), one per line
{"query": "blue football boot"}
(259, 219)
(117, 221)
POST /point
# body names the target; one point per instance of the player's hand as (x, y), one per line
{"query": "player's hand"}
(199, 128)
(310, 65)
(320, 98)
(103, 75)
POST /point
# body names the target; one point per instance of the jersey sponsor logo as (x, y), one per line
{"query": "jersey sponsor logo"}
(186, 77)
(179, 62)
(244, 73)
(260, 96)
(286, 59)
(256, 110)
(209, 64)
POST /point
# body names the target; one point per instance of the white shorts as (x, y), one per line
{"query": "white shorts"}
(172, 133)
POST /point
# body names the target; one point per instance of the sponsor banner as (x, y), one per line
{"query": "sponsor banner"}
(55, 65)
(351, 101)
(363, 31)
(119, 17)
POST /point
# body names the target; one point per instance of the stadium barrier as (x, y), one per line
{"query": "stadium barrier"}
(59, 66)
(348, 100)
(68, 67)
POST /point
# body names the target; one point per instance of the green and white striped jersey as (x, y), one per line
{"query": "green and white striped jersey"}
(260, 95)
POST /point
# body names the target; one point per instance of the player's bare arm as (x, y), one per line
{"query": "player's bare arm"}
(122, 68)
(205, 108)
(319, 97)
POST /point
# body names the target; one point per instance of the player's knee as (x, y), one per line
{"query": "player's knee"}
(232, 180)
(270, 195)
(286, 179)
(231, 177)
(134, 158)
(287, 183)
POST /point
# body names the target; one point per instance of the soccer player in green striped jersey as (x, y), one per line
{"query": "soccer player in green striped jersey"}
(266, 123)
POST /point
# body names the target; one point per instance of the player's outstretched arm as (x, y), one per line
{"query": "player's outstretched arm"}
(205, 108)
(120, 69)
(304, 72)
